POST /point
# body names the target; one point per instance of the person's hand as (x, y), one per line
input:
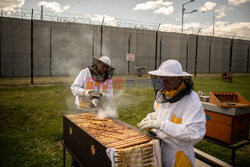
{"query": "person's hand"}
(153, 132)
(81, 92)
(95, 102)
(102, 94)
(87, 93)
(149, 124)
(146, 118)
(149, 116)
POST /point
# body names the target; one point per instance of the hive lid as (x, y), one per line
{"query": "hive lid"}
(228, 100)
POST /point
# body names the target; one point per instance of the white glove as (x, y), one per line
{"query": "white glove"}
(87, 93)
(81, 92)
(153, 132)
(149, 116)
(150, 124)
(95, 102)
(103, 94)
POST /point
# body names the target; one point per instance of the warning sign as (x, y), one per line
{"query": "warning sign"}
(130, 57)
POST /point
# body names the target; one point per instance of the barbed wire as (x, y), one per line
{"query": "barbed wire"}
(64, 17)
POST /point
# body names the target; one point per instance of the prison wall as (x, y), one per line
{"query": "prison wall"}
(64, 49)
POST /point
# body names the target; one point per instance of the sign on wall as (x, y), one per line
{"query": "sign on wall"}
(130, 57)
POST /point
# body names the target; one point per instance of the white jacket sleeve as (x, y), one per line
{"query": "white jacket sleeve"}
(192, 128)
(78, 87)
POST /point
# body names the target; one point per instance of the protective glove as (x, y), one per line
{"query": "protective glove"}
(103, 94)
(150, 124)
(152, 132)
(87, 93)
(95, 102)
(81, 92)
(150, 116)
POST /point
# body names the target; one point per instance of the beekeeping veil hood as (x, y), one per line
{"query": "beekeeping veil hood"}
(171, 68)
(105, 59)
(108, 75)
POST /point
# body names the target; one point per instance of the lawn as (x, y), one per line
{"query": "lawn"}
(31, 120)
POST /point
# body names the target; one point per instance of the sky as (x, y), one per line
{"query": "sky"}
(231, 17)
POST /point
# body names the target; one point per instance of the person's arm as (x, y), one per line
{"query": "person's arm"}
(77, 87)
(192, 128)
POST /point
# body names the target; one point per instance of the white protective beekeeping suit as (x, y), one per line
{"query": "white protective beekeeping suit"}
(84, 81)
(180, 124)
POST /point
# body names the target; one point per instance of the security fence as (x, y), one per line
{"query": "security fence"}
(62, 48)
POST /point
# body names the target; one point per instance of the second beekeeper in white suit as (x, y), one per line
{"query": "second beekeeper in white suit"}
(179, 117)
(96, 78)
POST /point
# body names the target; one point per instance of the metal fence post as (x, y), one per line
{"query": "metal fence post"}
(209, 57)
(156, 45)
(160, 49)
(101, 37)
(187, 52)
(41, 17)
(129, 52)
(196, 53)
(31, 47)
(231, 54)
(50, 52)
(93, 44)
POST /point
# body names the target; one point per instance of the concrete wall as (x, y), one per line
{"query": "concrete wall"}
(67, 48)
(240, 53)
(145, 49)
(15, 47)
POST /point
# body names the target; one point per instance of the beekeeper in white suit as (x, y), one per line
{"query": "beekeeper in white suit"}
(179, 117)
(95, 78)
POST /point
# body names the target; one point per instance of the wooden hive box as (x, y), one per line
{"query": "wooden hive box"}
(228, 100)
(87, 138)
(228, 125)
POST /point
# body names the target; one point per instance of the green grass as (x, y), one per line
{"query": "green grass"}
(240, 84)
(31, 125)
(31, 120)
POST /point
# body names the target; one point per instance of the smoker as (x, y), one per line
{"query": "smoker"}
(89, 140)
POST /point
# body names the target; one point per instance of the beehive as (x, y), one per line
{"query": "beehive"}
(88, 138)
(229, 125)
(228, 100)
